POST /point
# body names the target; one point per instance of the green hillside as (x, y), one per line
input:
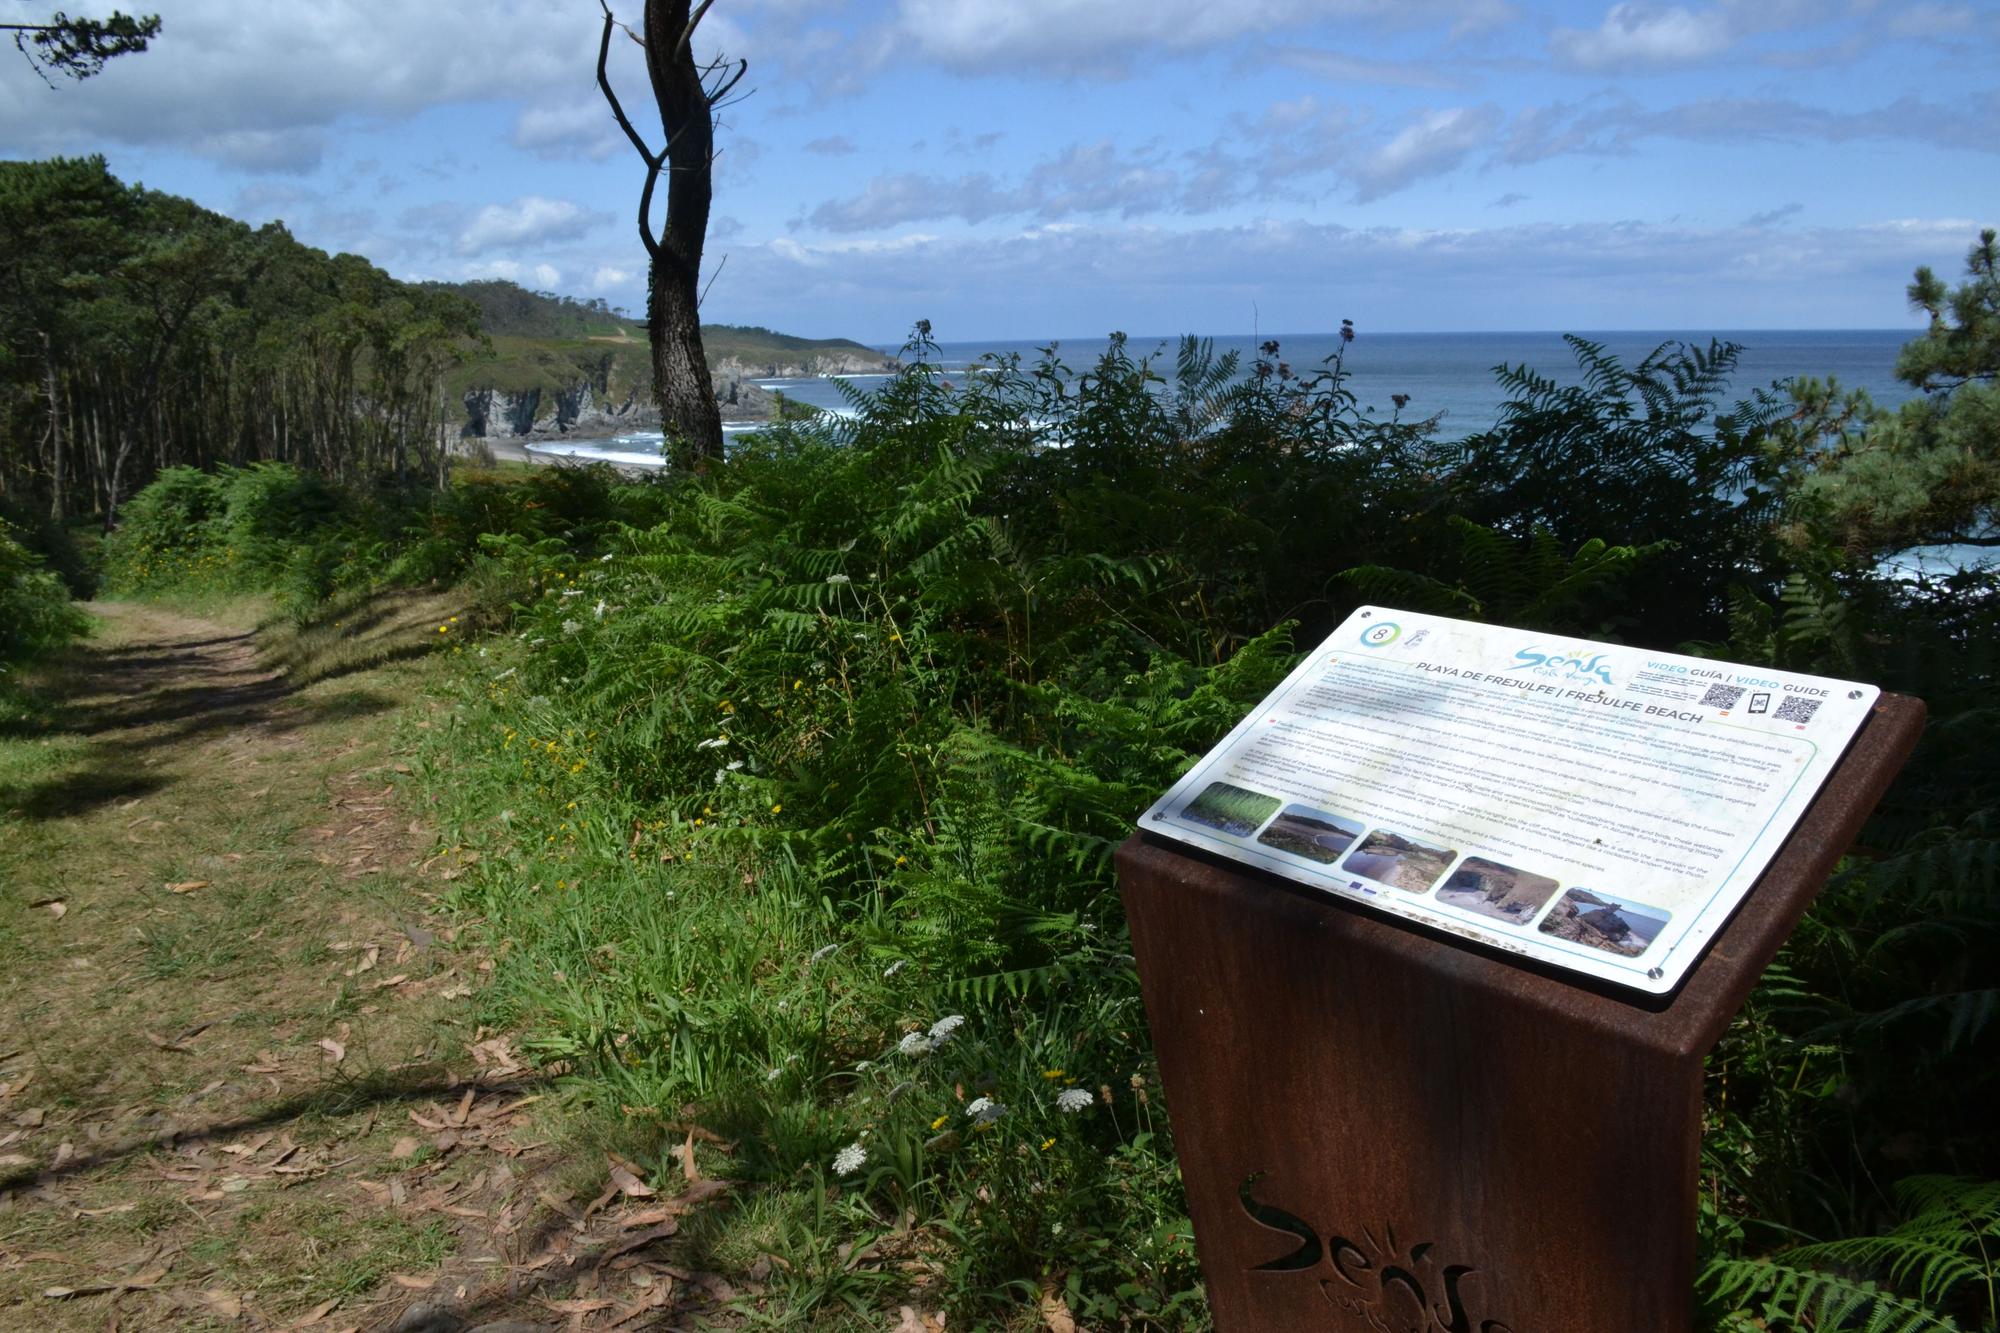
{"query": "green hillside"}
(753, 343)
(532, 329)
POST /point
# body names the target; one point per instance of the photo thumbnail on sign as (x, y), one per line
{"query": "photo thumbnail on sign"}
(1313, 834)
(1496, 890)
(1403, 863)
(1230, 809)
(1615, 925)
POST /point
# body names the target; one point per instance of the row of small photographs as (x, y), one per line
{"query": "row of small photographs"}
(1583, 916)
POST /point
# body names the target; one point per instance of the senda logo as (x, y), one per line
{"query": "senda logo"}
(1569, 664)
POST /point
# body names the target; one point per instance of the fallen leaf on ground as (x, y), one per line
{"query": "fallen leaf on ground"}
(106, 1212)
(188, 886)
(225, 1303)
(405, 1147)
(1055, 1313)
(688, 1168)
(913, 1322)
(335, 1052)
(318, 1312)
(626, 1179)
(138, 1282)
(56, 906)
(578, 1307)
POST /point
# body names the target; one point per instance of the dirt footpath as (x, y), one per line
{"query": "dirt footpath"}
(243, 1082)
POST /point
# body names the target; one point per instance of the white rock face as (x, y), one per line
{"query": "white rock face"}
(581, 409)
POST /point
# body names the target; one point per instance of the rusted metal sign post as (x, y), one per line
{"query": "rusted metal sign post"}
(1386, 1130)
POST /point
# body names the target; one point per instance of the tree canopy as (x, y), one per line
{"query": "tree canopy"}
(139, 330)
(78, 47)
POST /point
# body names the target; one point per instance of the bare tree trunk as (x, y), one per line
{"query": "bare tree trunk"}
(55, 432)
(687, 95)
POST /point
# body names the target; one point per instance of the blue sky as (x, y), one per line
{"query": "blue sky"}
(1044, 168)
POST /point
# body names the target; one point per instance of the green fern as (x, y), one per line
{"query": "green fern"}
(1941, 1261)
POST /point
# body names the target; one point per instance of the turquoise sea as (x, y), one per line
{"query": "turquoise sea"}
(1443, 373)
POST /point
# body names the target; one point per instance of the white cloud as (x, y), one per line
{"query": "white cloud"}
(1081, 179)
(531, 220)
(296, 69)
(1084, 279)
(1435, 143)
(294, 152)
(568, 130)
(1347, 68)
(1102, 37)
(1638, 34)
(607, 278)
(1932, 20)
(542, 277)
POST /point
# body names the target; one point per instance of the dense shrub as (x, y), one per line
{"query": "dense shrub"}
(272, 527)
(36, 614)
(792, 791)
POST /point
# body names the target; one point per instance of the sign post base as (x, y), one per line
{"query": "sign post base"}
(1388, 1132)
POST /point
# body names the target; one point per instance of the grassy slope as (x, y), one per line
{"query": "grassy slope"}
(172, 1125)
(545, 343)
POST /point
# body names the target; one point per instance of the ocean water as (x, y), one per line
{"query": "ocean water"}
(1450, 375)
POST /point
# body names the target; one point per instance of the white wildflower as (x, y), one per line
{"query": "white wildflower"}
(914, 1043)
(894, 968)
(719, 777)
(850, 1159)
(773, 1074)
(1071, 1100)
(820, 955)
(733, 765)
(508, 672)
(604, 559)
(572, 626)
(942, 1030)
(600, 608)
(862, 1066)
(984, 1110)
(712, 743)
(571, 592)
(838, 578)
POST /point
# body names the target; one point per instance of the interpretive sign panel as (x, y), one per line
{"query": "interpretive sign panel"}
(1600, 808)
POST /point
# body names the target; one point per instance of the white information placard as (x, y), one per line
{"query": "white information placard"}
(1601, 808)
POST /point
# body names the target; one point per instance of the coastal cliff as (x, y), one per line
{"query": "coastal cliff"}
(593, 406)
(549, 367)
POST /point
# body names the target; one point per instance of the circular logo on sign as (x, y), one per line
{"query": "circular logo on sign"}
(1380, 636)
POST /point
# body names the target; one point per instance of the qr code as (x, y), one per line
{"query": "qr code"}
(1796, 709)
(1721, 696)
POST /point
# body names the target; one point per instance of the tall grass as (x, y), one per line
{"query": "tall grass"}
(793, 791)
